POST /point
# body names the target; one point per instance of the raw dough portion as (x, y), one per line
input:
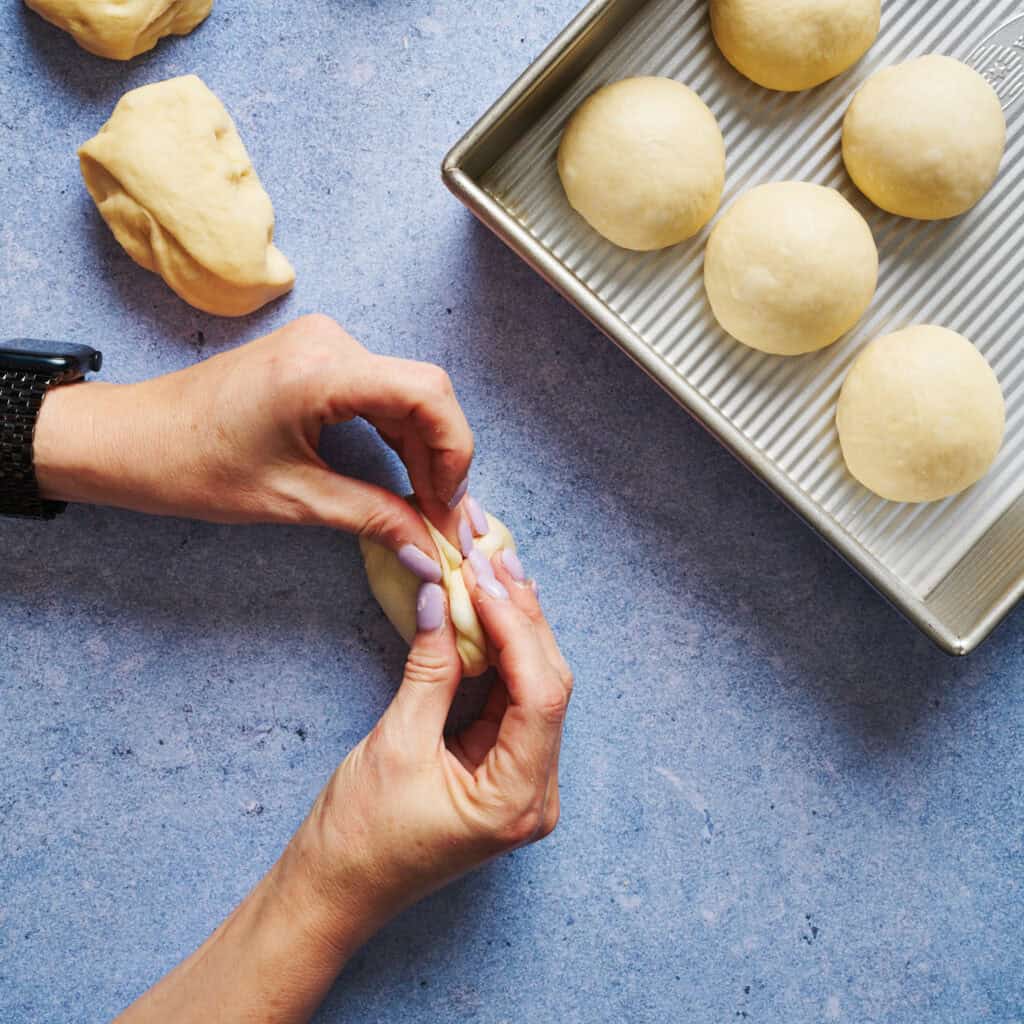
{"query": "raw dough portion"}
(396, 589)
(921, 415)
(794, 44)
(643, 162)
(790, 268)
(174, 183)
(122, 29)
(925, 139)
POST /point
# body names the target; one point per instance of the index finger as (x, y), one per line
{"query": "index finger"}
(419, 397)
(509, 571)
(528, 738)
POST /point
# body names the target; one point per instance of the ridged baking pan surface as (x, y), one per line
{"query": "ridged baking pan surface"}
(963, 274)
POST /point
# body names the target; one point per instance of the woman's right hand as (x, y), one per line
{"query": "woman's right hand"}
(410, 809)
(407, 811)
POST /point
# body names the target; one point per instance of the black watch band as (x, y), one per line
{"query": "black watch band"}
(21, 395)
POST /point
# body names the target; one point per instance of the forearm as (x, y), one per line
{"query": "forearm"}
(144, 447)
(116, 444)
(272, 960)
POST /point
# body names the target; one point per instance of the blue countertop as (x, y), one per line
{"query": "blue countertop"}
(780, 802)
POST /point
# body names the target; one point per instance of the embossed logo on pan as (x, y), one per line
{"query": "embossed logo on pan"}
(1000, 60)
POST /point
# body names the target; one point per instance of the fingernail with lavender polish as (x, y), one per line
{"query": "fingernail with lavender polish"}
(477, 518)
(460, 493)
(429, 608)
(419, 564)
(493, 587)
(515, 568)
(485, 575)
(481, 565)
(465, 538)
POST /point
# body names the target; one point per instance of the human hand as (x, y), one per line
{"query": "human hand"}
(409, 809)
(234, 439)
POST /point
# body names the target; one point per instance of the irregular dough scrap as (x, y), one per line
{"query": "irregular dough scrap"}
(920, 415)
(794, 44)
(173, 181)
(925, 139)
(643, 162)
(396, 589)
(122, 29)
(790, 268)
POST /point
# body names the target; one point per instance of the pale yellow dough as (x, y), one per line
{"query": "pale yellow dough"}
(790, 267)
(396, 589)
(925, 139)
(794, 44)
(920, 415)
(173, 181)
(643, 162)
(122, 29)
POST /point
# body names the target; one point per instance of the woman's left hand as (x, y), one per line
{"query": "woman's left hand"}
(234, 439)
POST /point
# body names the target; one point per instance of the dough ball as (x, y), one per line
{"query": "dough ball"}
(122, 29)
(174, 183)
(643, 162)
(925, 139)
(794, 44)
(921, 415)
(790, 268)
(396, 589)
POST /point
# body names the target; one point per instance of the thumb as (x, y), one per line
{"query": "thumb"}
(363, 509)
(432, 674)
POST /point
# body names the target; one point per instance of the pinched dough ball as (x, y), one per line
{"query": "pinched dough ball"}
(396, 589)
(921, 415)
(122, 29)
(643, 162)
(174, 183)
(925, 139)
(794, 44)
(790, 268)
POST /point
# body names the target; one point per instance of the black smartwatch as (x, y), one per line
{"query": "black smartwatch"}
(28, 369)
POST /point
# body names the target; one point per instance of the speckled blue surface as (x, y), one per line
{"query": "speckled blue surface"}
(780, 803)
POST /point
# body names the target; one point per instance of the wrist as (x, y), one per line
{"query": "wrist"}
(73, 448)
(329, 895)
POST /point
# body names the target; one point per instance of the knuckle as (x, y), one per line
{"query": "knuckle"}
(549, 822)
(436, 381)
(532, 611)
(426, 666)
(567, 679)
(312, 343)
(553, 705)
(386, 520)
(522, 827)
(316, 323)
(455, 460)
(300, 360)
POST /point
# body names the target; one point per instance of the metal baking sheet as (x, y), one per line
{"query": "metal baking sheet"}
(956, 567)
